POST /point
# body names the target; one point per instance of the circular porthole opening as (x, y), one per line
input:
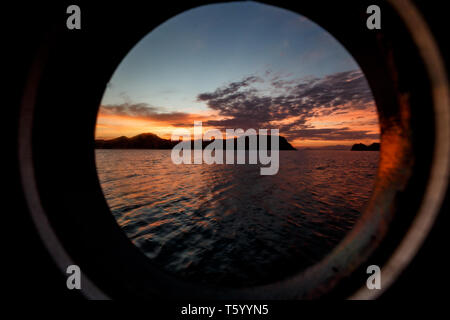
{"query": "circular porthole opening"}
(234, 66)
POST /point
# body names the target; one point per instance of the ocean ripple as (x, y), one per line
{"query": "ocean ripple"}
(227, 224)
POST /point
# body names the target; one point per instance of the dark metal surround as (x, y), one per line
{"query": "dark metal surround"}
(406, 74)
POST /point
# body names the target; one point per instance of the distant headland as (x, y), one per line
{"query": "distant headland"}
(363, 147)
(152, 141)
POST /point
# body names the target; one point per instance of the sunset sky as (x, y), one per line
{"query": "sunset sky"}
(241, 65)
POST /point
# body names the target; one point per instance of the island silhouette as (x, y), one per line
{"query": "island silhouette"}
(362, 147)
(152, 141)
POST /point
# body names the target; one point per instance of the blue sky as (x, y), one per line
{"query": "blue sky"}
(209, 46)
(241, 65)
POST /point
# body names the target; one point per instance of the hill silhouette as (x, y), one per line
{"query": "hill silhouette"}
(152, 141)
(363, 147)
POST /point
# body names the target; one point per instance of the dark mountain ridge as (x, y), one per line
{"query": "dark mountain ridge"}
(152, 141)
